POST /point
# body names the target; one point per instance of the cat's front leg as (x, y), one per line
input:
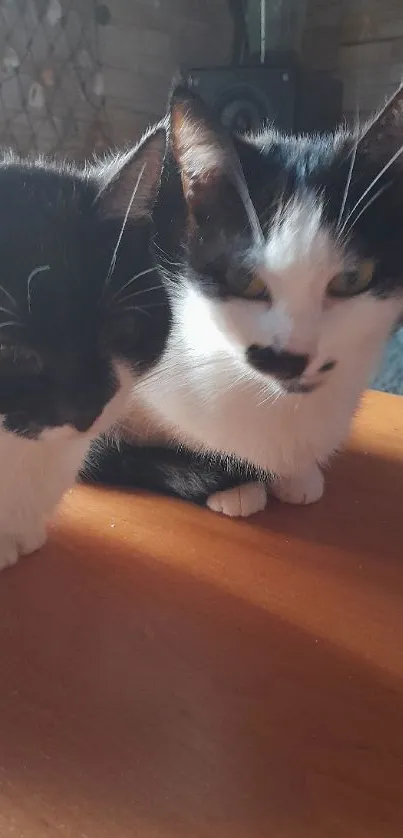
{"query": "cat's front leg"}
(12, 546)
(303, 488)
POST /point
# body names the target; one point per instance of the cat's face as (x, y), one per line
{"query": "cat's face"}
(293, 248)
(74, 323)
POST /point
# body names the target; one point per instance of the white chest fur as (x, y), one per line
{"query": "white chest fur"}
(209, 396)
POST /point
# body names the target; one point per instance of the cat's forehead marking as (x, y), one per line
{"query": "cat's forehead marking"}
(299, 238)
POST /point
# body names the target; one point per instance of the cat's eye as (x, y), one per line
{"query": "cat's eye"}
(248, 284)
(350, 283)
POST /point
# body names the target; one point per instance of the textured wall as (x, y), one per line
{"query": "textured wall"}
(371, 55)
(145, 43)
(363, 41)
(69, 85)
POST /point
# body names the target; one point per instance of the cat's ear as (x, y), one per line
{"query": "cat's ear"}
(209, 165)
(382, 137)
(199, 145)
(130, 181)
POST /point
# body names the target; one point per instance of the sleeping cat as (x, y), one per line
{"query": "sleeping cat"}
(283, 261)
(74, 336)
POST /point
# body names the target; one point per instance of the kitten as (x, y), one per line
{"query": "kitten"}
(74, 334)
(283, 261)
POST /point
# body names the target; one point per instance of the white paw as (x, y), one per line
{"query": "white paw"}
(240, 501)
(9, 551)
(303, 488)
(12, 547)
(32, 540)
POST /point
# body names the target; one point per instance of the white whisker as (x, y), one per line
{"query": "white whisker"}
(9, 323)
(120, 299)
(143, 308)
(115, 252)
(31, 277)
(348, 182)
(365, 207)
(369, 188)
(130, 281)
(9, 296)
(137, 308)
(7, 311)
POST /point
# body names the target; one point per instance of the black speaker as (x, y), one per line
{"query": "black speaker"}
(292, 98)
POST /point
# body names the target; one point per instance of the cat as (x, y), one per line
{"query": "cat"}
(283, 261)
(76, 278)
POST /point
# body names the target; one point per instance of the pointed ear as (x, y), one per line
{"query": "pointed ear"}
(207, 160)
(383, 135)
(130, 181)
(198, 145)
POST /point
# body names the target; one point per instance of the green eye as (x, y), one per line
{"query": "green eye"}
(350, 283)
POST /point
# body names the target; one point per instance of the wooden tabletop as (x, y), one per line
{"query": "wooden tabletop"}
(167, 673)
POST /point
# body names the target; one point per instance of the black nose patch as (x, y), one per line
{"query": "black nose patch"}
(82, 421)
(283, 365)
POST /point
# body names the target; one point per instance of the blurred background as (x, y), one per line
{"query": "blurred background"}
(78, 76)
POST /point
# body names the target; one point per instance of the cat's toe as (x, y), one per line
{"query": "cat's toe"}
(9, 552)
(301, 489)
(240, 501)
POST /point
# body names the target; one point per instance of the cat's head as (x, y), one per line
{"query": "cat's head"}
(287, 253)
(82, 310)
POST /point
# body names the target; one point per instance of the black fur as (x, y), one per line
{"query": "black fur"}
(180, 473)
(62, 321)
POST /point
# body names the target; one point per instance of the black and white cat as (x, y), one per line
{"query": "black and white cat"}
(73, 339)
(283, 260)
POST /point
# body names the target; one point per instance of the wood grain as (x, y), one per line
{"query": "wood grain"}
(166, 673)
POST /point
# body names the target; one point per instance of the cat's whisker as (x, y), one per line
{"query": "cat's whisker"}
(164, 256)
(369, 188)
(9, 296)
(7, 311)
(10, 323)
(348, 181)
(120, 300)
(143, 309)
(40, 269)
(130, 281)
(271, 398)
(123, 227)
(365, 207)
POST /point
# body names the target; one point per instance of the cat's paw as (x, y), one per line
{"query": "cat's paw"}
(240, 501)
(303, 488)
(14, 546)
(9, 551)
(32, 540)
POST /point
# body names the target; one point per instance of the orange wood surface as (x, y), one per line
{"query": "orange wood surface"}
(167, 673)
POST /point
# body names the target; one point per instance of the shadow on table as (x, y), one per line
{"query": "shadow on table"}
(137, 700)
(361, 511)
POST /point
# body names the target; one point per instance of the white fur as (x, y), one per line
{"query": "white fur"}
(206, 392)
(36, 473)
(240, 501)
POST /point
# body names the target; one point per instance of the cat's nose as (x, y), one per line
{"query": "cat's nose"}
(282, 365)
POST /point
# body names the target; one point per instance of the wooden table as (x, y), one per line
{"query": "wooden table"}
(166, 673)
